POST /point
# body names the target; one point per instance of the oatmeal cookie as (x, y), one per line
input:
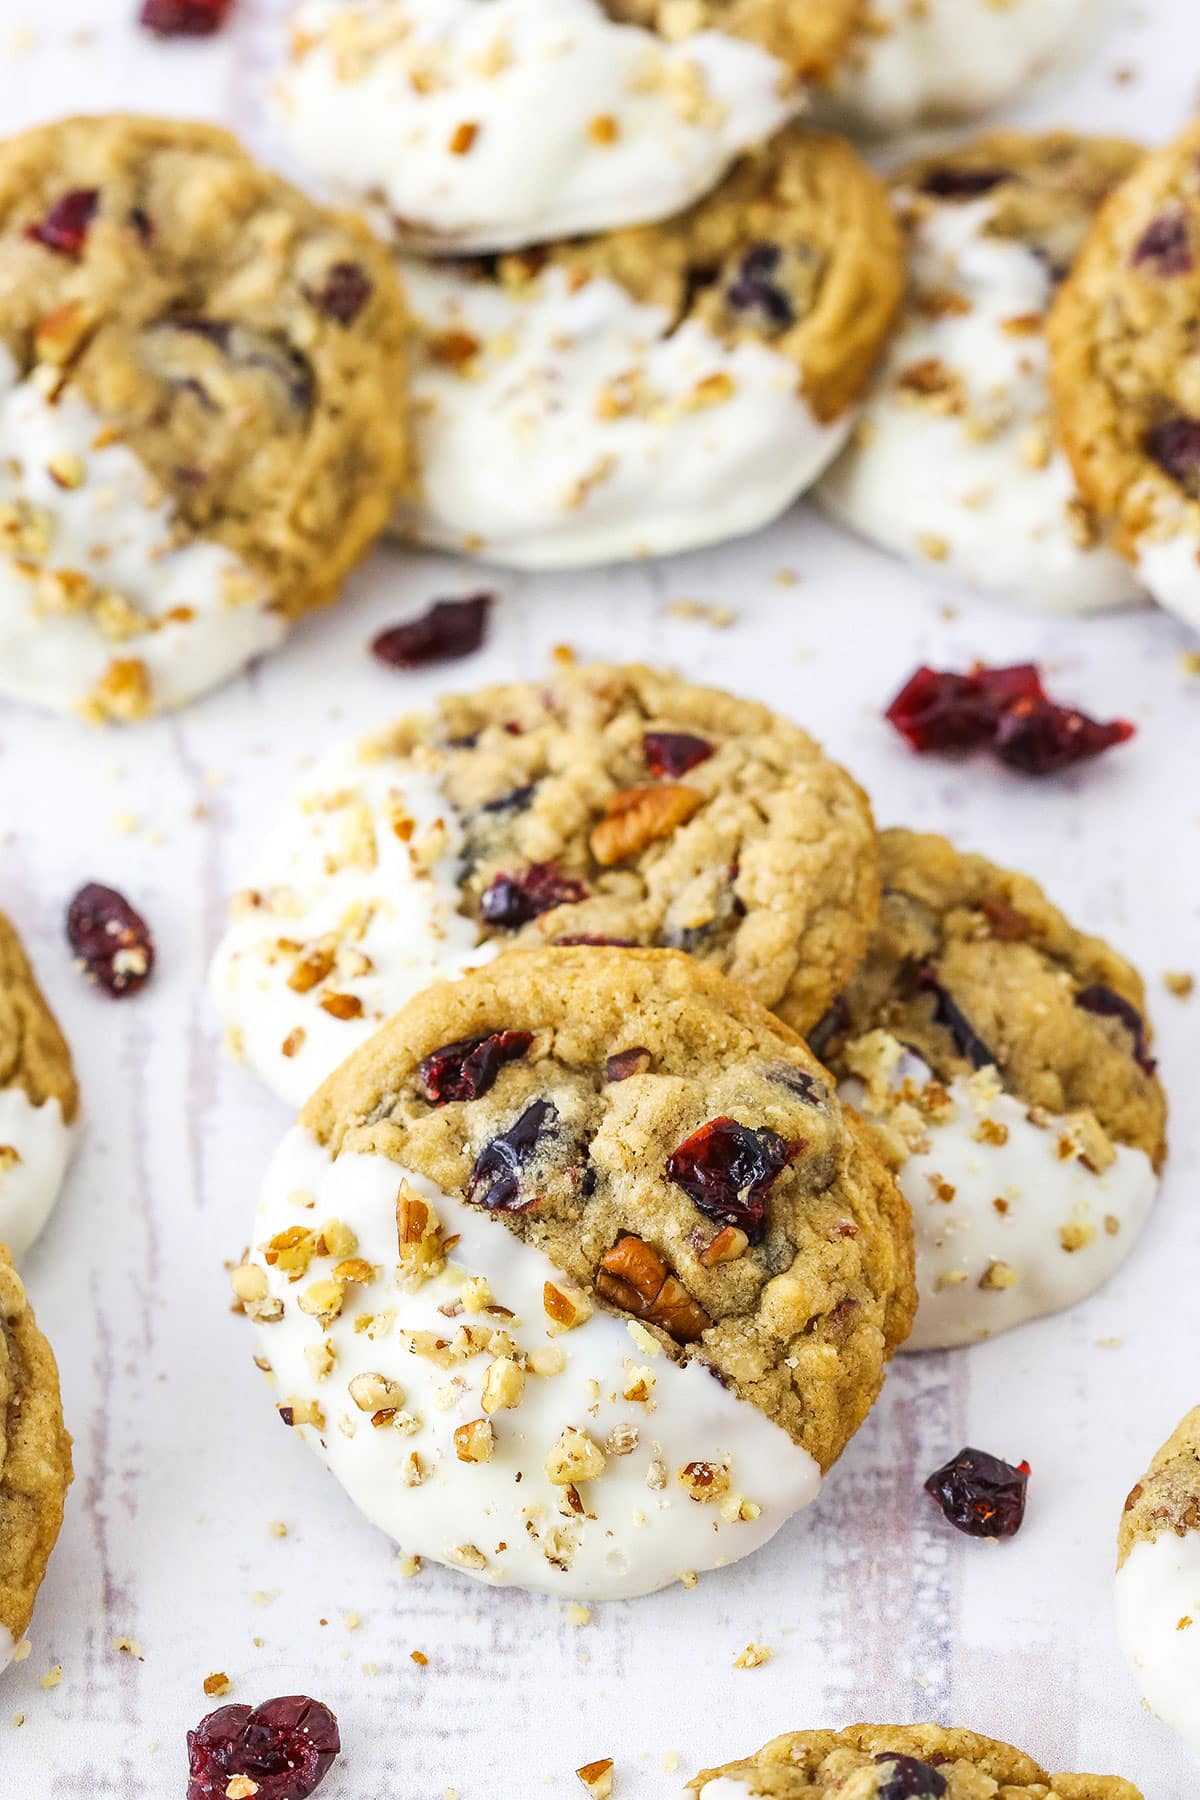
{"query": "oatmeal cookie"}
(1158, 1582)
(660, 387)
(1126, 370)
(810, 37)
(201, 376)
(577, 1274)
(39, 1099)
(899, 1762)
(1005, 1059)
(954, 462)
(420, 110)
(614, 803)
(949, 59)
(35, 1458)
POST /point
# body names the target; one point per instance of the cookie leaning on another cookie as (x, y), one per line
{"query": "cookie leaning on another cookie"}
(419, 111)
(1158, 1582)
(201, 410)
(1126, 368)
(35, 1458)
(577, 1274)
(898, 1762)
(953, 462)
(605, 802)
(1005, 1060)
(39, 1099)
(658, 388)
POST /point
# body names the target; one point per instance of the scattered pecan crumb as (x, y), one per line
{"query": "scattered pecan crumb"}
(1179, 982)
(753, 1657)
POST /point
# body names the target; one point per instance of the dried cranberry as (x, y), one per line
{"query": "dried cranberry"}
(496, 1178)
(184, 18)
(830, 1028)
(909, 1778)
(1039, 737)
(513, 900)
(727, 1170)
(1107, 1005)
(673, 753)
(345, 292)
(592, 937)
(981, 1495)
(752, 289)
(962, 184)
(468, 1068)
(1165, 246)
(286, 1747)
(65, 227)
(800, 1083)
(516, 800)
(624, 1063)
(948, 1013)
(449, 630)
(112, 942)
(1175, 447)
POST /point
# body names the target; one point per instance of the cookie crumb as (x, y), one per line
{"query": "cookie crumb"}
(753, 1656)
(53, 1676)
(1179, 982)
(217, 1684)
(702, 612)
(578, 1615)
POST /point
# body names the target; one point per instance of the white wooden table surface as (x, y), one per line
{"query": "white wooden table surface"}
(872, 1606)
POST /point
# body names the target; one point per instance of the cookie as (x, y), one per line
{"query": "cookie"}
(615, 803)
(953, 463)
(949, 59)
(1126, 371)
(39, 1100)
(658, 388)
(899, 1762)
(809, 38)
(200, 382)
(35, 1459)
(1005, 1060)
(577, 1275)
(1158, 1582)
(420, 111)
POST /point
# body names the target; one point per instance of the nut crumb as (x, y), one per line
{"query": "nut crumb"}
(753, 1657)
(217, 1684)
(1179, 982)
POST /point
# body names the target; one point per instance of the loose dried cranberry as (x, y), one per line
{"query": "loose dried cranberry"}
(624, 1063)
(948, 1013)
(1175, 447)
(496, 1178)
(184, 18)
(727, 1170)
(673, 753)
(1165, 245)
(962, 184)
(468, 1067)
(1006, 709)
(1102, 1001)
(909, 1778)
(981, 1495)
(112, 942)
(513, 900)
(591, 937)
(286, 1747)
(65, 227)
(449, 630)
(345, 292)
(752, 289)
(1039, 737)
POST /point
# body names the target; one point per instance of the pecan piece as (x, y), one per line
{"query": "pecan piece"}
(639, 815)
(633, 1276)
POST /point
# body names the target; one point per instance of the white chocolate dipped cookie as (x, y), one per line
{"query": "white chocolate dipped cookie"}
(466, 128)
(954, 462)
(1004, 1060)
(1158, 1582)
(657, 388)
(949, 59)
(39, 1100)
(577, 1275)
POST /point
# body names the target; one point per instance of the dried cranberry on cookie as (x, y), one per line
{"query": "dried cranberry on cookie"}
(578, 1275)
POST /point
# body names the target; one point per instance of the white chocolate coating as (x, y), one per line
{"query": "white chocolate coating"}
(953, 463)
(362, 866)
(35, 1149)
(950, 59)
(1010, 1222)
(88, 572)
(503, 1519)
(1170, 568)
(487, 127)
(1158, 1623)
(724, 1787)
(583, 431)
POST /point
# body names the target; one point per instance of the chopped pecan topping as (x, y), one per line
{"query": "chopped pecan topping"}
(640, 815)
(633, 1276)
